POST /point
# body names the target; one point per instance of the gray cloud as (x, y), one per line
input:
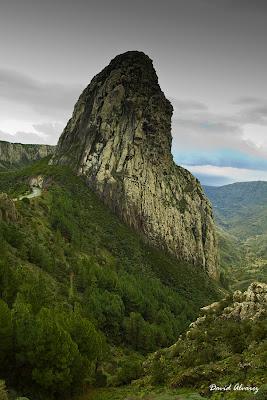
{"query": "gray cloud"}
(254, 115)
(240, 6)
(46, 133)
(249, 100)
(210, 131)
(187, 105)
(253, 110)
(211, 124)
(48, 99)
(51, 131)
(201, 128)
(24, 137)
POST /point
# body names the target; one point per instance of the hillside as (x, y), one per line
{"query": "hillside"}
(240, 208)
(77, 281)
(14, 155)
(241, 213)
(222, 356)
(224, 347)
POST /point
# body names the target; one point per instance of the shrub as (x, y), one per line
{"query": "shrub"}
(3, 391)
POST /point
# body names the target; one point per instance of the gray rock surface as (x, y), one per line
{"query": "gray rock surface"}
(119, 137)
(251, 304)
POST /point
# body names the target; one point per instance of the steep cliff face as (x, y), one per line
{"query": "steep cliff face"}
(15, 154)
(119, 137)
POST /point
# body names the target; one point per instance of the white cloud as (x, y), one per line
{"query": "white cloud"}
(50, 130)
(187, 105)
(42, 133)
(242, 130)
(228, 173)
(32, 111)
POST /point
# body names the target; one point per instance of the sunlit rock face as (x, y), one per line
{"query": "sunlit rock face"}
(16, 154)
(119, 137)
(251, 304)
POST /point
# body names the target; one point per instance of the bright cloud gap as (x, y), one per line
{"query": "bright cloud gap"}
(218, 176)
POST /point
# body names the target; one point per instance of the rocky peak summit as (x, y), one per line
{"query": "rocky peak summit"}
(123, 100)
(119, 137)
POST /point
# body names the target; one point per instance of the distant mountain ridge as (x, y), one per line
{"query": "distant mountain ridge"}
(229, 198)
(13, 155)
(241, 210)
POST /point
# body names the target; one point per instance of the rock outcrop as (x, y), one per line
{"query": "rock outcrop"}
(16, 154)
(119, 137)
(251, 304)
(224, 344)
(36, 182)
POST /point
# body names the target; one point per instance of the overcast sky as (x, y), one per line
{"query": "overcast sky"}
(210, 56)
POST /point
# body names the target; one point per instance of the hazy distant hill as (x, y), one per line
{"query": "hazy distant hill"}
(241, 213)
(240, 208)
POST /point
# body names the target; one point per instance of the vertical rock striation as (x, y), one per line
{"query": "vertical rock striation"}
(119, 137)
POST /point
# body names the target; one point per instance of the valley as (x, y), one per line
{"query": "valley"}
(44, 243)
(116, 280)
(241, 215)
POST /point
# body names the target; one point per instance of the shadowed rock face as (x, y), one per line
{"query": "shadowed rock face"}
(119, 137)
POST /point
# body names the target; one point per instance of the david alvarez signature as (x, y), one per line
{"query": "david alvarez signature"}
(238, 387)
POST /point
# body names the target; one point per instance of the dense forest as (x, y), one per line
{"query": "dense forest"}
(83, 297)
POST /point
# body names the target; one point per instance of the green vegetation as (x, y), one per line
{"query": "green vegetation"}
(216, 350)
(132, 393)
(3, 391)
(241, 214)
(240, 208)
(83, 297)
